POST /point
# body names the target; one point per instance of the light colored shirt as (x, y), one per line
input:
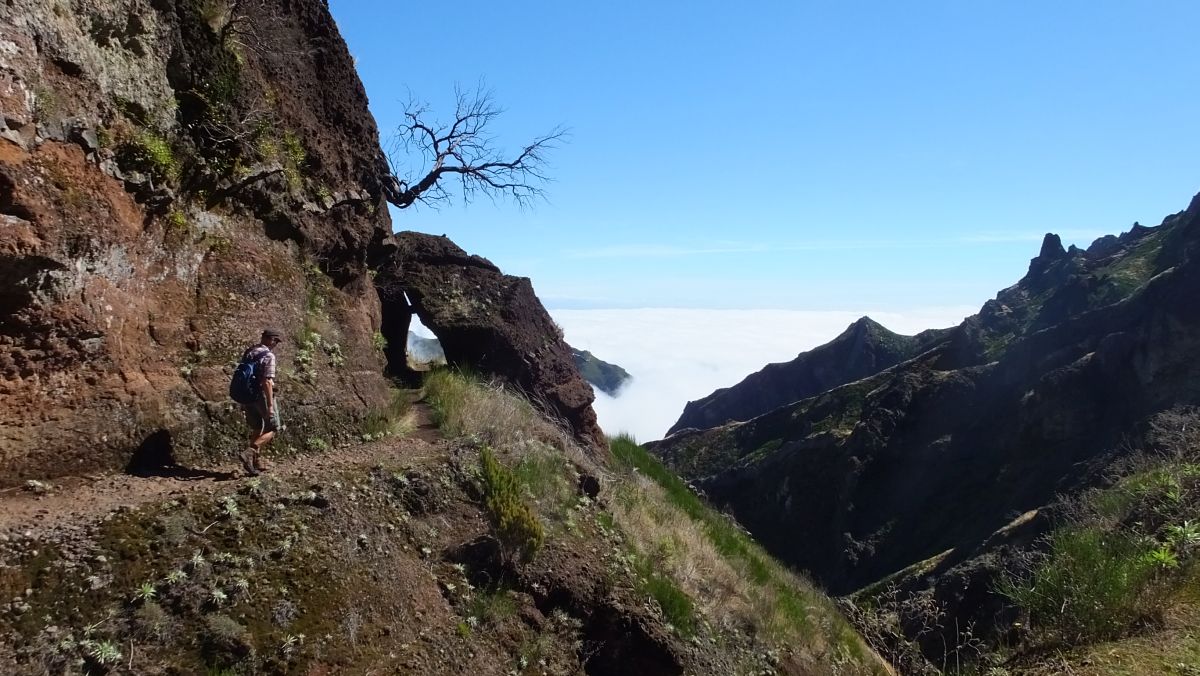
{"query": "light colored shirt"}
(263, 359)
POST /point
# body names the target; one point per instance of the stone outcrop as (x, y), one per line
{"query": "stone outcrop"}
(608, 378)
(173, 178)
(863, 349)
(937, 453)
(485, 320)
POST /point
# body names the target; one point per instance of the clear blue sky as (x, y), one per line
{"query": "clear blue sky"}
(809, 155)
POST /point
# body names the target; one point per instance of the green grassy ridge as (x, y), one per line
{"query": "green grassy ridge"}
(726, 535)
(796, 607)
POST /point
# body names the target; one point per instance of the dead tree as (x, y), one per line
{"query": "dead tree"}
(464, 149)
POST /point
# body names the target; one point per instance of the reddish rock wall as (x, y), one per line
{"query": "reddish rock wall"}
(173, 178)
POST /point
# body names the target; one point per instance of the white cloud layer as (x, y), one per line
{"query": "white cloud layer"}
(677, 355)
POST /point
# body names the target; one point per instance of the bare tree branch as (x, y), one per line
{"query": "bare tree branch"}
(464, 150)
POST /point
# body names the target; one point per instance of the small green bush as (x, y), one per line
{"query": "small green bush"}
(1091, 585)
(677, 606)
(379, 341)
(514, 524)
(149, 152)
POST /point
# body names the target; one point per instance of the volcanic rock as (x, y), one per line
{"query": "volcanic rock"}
(608, 378)
(140, 251)
(488, 321)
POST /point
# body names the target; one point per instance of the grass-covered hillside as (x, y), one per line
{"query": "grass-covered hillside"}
(502, 548)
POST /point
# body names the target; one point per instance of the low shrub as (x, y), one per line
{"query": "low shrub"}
(1123, 553)
(513, 523)
(1090, 585)
(147, 151)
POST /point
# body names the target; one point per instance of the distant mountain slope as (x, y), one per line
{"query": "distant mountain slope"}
(938, 452)
(608, 377)
(864, 348)
(423, 353)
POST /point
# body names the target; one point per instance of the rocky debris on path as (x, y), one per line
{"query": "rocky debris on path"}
(75, 502)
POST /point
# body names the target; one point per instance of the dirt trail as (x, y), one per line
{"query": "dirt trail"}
(78, 501)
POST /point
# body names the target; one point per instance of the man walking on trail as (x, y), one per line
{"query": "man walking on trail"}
(262, 415)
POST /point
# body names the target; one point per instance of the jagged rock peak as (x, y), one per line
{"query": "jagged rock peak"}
(1052, 247)
(1052, 252)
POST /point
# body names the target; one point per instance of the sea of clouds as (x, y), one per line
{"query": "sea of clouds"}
(678, 355)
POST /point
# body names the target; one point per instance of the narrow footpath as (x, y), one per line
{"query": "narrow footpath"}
(38, 508)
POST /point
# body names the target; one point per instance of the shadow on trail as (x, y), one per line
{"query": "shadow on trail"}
(155, 458)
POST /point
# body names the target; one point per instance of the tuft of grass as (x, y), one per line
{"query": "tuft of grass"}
(394, 419)
(463, 405)
(177, 220)
(152, 153)
(225, 637)
(547, 478)
(492, 605)
(717, 563)
(294, 158)
(677, 607)
(1091, 585)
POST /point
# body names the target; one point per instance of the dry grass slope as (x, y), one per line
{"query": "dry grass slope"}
(706, 577)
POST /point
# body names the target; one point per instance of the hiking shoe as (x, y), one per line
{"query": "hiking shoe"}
(261, 465)
(247, 458)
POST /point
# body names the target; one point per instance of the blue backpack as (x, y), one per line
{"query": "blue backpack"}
(243, 386)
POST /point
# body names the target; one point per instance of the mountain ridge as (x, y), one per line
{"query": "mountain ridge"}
(863, 479)
(864, 348)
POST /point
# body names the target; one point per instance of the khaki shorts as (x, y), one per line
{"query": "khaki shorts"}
(257, 420)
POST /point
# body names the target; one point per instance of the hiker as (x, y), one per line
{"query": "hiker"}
(253, 387)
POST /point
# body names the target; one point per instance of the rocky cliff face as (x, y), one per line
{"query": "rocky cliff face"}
(939, 452)
(864, 348)
(174, 176)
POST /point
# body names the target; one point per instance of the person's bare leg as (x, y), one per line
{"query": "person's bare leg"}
(248, 454)
(263, 439)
